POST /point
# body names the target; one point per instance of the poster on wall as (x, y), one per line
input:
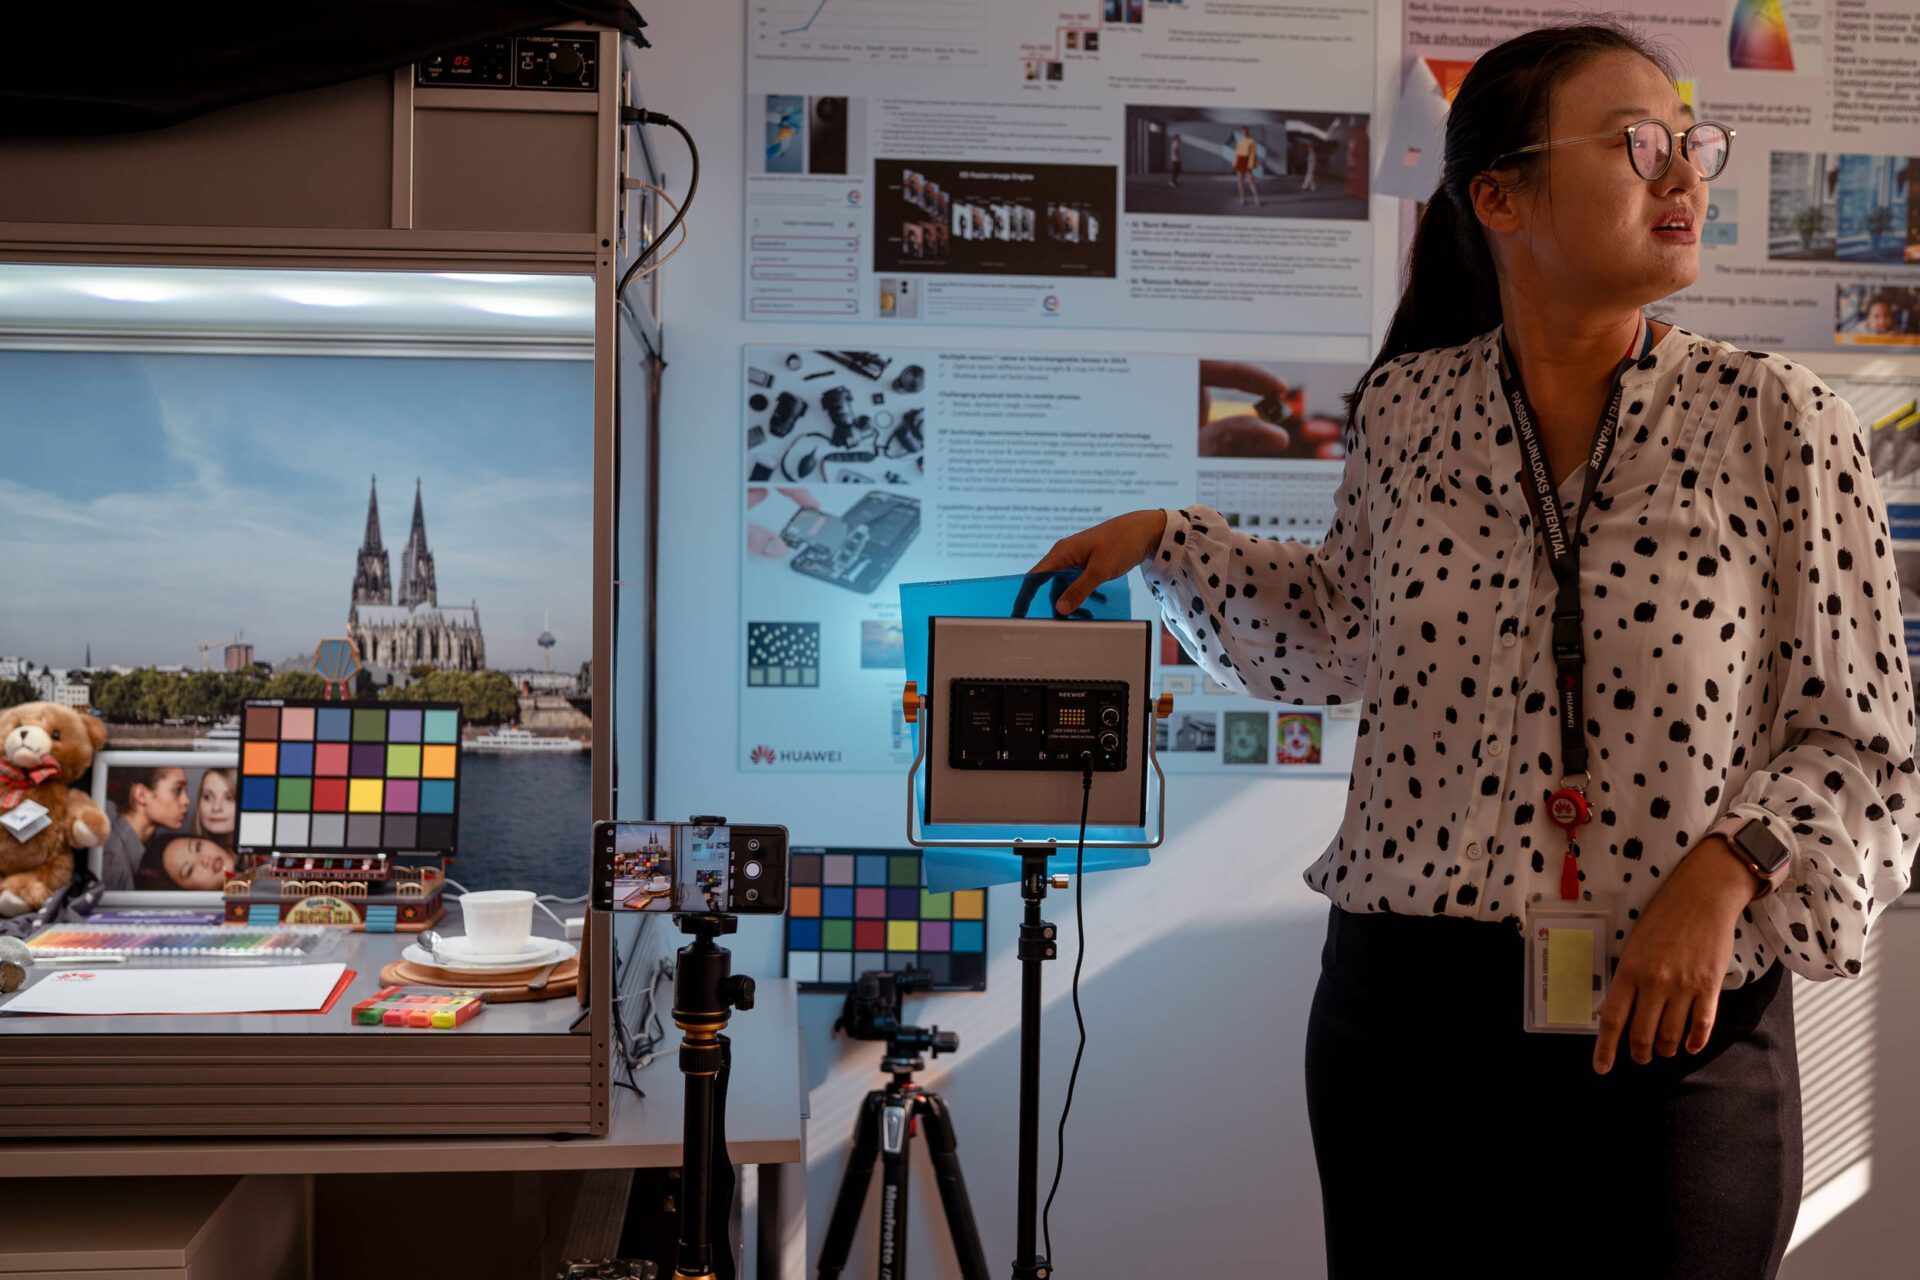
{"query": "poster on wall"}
(1117, 164)
(1811, 240)
(862, 470)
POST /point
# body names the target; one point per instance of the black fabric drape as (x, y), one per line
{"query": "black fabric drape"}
(121, 68)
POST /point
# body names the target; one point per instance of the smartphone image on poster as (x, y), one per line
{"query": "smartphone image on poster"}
(786, 133)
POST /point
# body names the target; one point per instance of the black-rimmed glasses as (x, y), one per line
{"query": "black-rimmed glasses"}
(1650, 147)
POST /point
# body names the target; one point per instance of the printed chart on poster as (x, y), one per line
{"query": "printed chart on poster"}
(1122, 163)
(1811, 240)
(1888, 408)
(862, 470)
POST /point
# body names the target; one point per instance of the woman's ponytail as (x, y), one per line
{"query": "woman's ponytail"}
(1452, 290)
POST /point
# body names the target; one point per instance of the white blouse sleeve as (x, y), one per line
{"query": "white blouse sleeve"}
(1279, 620)
(1842, 793)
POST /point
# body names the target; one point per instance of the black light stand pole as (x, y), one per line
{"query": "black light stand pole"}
(704, 991)
(1038, 943)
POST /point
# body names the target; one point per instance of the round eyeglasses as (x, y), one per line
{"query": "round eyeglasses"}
(1650, 147)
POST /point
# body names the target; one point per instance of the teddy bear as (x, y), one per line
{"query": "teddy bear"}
(43, 749)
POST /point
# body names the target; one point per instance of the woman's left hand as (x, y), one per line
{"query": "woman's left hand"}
(1675, 958)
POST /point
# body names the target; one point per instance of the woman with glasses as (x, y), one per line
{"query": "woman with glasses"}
(1637, 732)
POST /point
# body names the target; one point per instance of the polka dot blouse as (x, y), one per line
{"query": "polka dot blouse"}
(1744, 647)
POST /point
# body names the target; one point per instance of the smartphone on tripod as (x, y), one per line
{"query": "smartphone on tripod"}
(711, 868)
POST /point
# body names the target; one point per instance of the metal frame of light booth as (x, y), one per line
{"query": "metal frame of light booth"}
(478, 180)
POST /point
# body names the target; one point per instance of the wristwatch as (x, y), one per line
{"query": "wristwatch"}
(1754, 843)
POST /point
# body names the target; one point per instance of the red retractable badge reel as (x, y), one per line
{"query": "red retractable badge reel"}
(1569, 811)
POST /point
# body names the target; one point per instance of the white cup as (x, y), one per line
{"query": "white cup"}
(499, 921)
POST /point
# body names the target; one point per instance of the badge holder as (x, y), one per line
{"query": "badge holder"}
(1566, 971)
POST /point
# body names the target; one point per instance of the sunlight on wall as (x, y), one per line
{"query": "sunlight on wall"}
(1834, 1023)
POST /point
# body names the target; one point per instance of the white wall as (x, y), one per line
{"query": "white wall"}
(1188, 1150)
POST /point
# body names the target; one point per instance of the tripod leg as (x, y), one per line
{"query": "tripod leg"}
(896, 1127)
(853, 1188)
(944, 1152)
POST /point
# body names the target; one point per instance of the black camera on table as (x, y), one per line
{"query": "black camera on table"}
(873, 1012)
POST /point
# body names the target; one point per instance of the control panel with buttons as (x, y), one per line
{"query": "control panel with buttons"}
(555, 60)
(1038, 724)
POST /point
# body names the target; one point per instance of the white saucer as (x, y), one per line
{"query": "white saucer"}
(458, 953)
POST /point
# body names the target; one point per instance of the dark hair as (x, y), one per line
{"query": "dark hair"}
(122, 781)
(1452, 291)
(151, 871)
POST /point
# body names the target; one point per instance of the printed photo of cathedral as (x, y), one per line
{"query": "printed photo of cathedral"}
(415, 630)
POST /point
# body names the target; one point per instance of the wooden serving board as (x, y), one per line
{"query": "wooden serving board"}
(503, 987)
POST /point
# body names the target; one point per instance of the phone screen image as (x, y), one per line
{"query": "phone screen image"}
(693, 867)
(643, 866)
(704, 868)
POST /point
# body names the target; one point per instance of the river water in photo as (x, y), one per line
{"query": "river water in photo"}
(526, 821)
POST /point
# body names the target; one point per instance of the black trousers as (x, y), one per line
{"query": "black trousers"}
(1449, 1140)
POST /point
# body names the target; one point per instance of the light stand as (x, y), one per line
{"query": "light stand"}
(1039, 943)
(705, 990)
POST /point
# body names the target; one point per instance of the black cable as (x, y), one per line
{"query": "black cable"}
(639, 115)
(1080, 955)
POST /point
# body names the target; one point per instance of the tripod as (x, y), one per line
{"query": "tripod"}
(704, 990)
(885, 1129)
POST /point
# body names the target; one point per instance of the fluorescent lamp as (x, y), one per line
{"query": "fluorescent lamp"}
(323, 295)
(503, 305)
(131, 290)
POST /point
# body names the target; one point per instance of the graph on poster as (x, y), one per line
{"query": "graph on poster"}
(897, 31)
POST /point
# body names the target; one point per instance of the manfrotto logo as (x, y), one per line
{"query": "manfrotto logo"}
(762, 754)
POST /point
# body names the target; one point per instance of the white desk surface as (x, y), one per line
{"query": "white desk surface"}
(766, 1106)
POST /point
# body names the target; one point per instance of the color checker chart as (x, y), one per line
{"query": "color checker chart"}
(854, 910)
(379, 776)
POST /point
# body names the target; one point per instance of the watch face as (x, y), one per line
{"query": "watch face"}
(1761, 845)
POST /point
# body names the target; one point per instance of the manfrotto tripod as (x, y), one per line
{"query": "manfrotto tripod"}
(885, 1130)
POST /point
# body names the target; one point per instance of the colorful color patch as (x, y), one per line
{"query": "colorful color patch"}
(850, 911)
(378, 776)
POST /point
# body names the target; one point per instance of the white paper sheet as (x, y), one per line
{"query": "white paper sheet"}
(300, 988)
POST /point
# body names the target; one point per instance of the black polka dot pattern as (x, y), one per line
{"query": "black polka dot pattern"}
(1744, 647)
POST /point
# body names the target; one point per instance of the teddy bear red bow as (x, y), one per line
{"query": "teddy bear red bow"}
(44, 748)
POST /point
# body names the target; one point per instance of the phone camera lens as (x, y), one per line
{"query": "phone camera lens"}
(753, 846)
(753, 895)
(751, 870)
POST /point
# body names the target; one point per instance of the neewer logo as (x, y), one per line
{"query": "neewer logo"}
(763, 754)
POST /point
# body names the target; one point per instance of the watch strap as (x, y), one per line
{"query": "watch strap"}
(1730, 828)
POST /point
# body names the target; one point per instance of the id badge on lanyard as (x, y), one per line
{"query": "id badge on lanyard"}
(1567, 934)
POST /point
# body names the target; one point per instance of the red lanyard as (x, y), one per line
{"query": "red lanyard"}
(1568, 806)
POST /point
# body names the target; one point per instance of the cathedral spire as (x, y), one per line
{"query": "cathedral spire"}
(372, 541)
(372, 575)
(417, 584)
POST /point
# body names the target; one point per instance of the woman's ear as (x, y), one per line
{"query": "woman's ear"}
(1495, 203)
